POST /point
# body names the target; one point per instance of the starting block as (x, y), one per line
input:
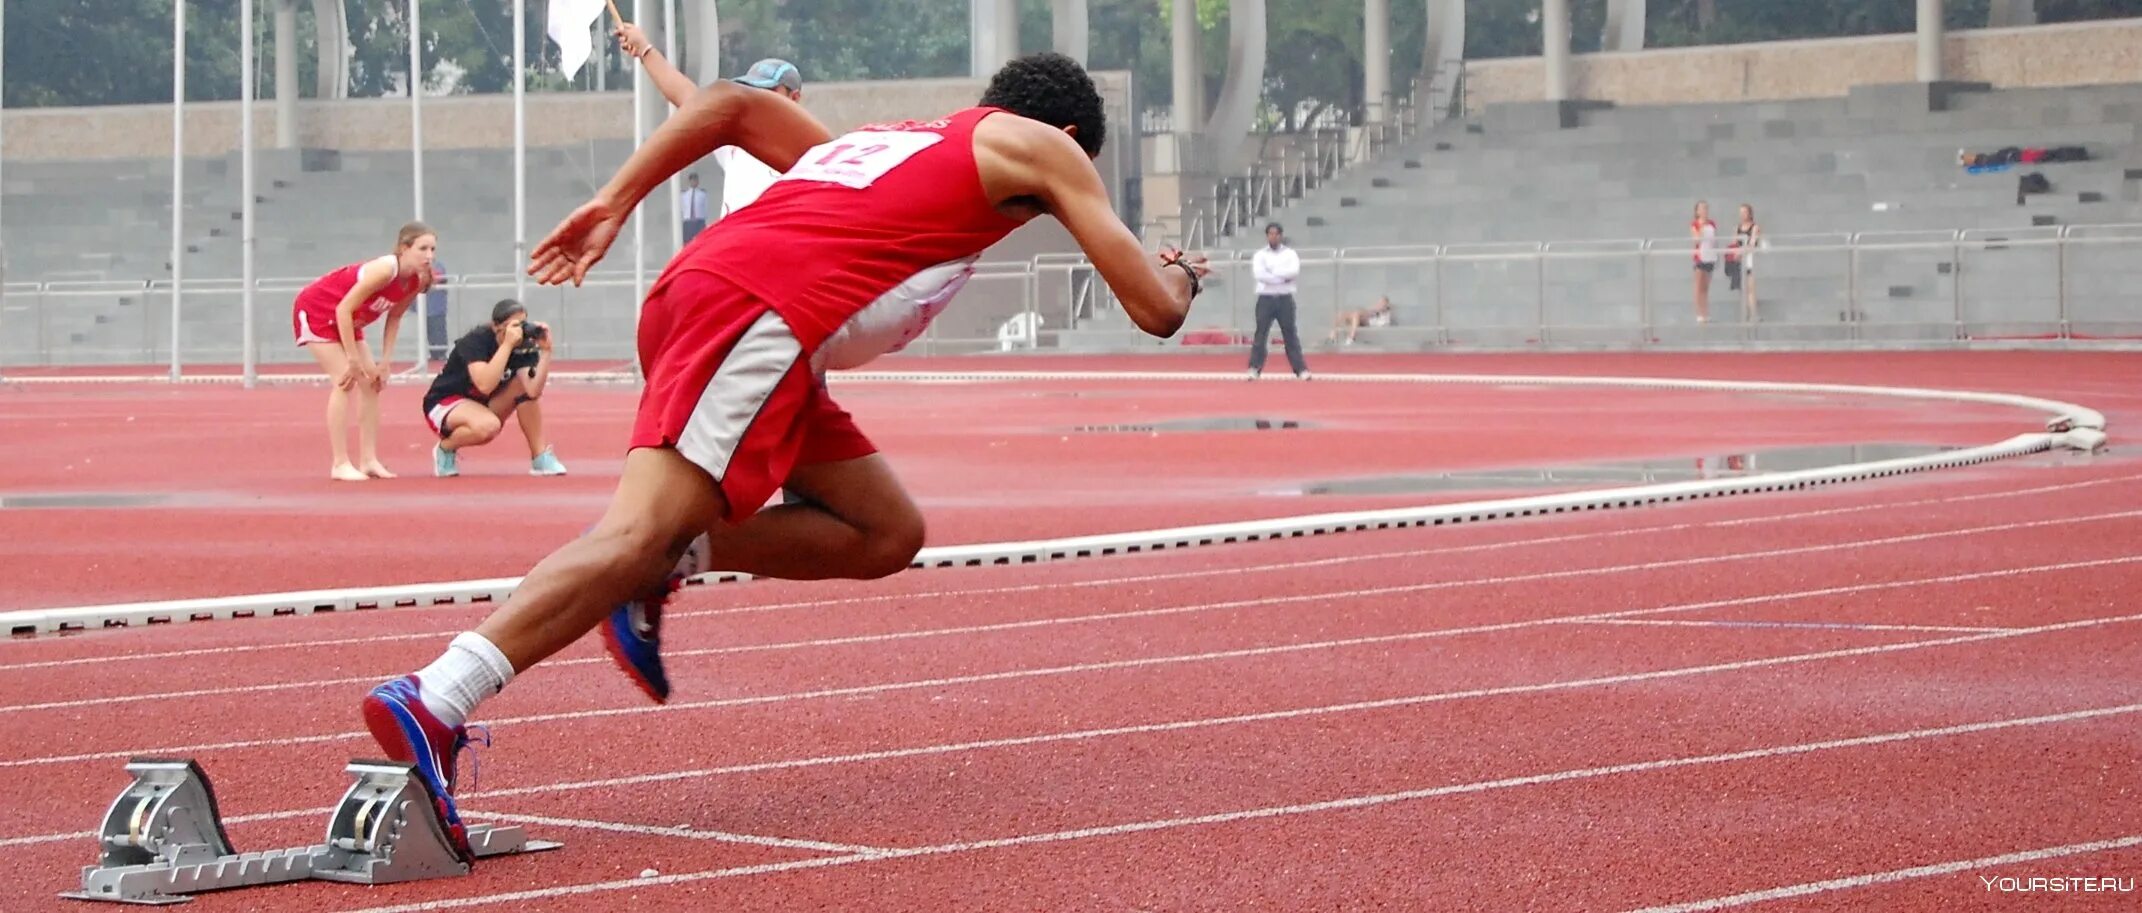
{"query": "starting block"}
(163, 838)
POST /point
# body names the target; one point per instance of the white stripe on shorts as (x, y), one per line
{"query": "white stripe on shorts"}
(739, 390)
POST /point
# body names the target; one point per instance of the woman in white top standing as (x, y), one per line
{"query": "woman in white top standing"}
(1705, 233)
(1746, 237)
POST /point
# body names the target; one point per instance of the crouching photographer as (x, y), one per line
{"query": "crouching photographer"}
(497, 370)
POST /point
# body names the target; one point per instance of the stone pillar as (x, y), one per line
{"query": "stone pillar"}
(1930, 38)
(1189, 111)
(1376, 60)
(1624, 26)
(286, 89)
(1068, 29)
(1554, 32)
(992, 35)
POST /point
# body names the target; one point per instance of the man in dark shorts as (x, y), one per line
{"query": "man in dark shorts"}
(844, 258)
(496, 370)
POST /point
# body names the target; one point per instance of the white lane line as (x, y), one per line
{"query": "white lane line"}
(1278, 811)
(1110, 581)
(1789, 625)
(1101, 666)
(690, 833)
(1896, 875)
(1201, 723)
(1164, 611)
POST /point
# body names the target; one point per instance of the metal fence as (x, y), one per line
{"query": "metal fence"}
(2053, 284)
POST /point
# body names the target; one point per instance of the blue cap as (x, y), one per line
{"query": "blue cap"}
(773, 73)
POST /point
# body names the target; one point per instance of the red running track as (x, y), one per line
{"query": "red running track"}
(214, 490)
(1883, 691)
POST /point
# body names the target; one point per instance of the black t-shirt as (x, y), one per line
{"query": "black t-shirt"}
(479, 345)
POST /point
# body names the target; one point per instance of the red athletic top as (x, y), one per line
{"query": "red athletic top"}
(854, 219)
(320, 299)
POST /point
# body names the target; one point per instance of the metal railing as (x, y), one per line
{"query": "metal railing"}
(1881, 289)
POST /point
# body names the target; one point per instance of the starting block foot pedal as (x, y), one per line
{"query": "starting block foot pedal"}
(163, 838)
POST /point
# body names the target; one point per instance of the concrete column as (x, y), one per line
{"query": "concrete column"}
(1444, 54)
(331, 25)
(1189, 110)
(1236, 105)
(1554, 32)
(1930, 41)
(1624, 26)
(1376, 59)
(2011, 13)
(286, 88)
(1067, 28)
(702, 21)
(1007, 31)
(992, 35)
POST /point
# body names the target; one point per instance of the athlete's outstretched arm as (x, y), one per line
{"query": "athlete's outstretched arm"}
(675, 86)
(772, 128)
(1024, 158)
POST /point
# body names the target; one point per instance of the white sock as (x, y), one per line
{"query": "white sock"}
(471, 670)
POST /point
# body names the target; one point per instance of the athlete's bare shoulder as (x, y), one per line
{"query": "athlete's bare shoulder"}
(1021, 158)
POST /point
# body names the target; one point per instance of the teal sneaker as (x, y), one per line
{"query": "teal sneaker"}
(546, 464)
(445, 463)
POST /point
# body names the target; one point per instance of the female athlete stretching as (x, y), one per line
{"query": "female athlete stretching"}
(329, 319)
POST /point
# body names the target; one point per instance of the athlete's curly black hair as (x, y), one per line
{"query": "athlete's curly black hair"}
(1055, 90)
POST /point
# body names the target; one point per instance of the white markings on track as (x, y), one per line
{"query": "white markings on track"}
(1210, 722)
(690, 833)
(1895, 875)
(1161, 612)
(1785, 625)
(1154, 661)
(1308, 808)
(1111, 581)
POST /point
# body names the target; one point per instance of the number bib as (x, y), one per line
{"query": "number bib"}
(859, 159)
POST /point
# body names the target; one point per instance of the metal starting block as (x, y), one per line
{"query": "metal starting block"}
(163, 838)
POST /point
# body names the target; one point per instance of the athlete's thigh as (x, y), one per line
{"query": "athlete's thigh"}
(862, 491)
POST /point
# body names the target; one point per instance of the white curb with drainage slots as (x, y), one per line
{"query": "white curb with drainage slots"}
(2069, 427)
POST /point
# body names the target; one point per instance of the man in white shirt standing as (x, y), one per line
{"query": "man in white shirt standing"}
(1276, 268)
(743, 177)
(692, 207)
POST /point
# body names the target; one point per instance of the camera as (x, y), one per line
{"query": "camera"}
(533, 332)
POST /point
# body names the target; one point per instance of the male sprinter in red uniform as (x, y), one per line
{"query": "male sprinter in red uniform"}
(732, 340)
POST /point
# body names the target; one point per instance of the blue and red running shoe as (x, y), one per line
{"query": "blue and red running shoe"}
(633, 632)
(408, 732)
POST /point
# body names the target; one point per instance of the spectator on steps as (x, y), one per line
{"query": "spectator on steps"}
(1740, 260)
(1276, 267)
(1705, 233)
(1352, 321)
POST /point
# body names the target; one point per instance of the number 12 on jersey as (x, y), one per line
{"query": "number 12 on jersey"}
(859, 159)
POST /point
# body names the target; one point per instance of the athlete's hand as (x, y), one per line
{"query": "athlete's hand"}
(631, 40)
(1169, 256)
(577, 244)
(347, 380)
(380, 372)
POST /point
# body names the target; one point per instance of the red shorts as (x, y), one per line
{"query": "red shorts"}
(731, 388)
(310, 327)
(436, 417)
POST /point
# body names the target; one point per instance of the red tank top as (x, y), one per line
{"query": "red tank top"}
(853, 219)
(326, 293)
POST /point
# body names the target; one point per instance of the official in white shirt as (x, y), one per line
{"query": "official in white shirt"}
(1277, 268)
(692, 207)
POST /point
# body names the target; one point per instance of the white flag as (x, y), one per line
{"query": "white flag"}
(569, 21)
